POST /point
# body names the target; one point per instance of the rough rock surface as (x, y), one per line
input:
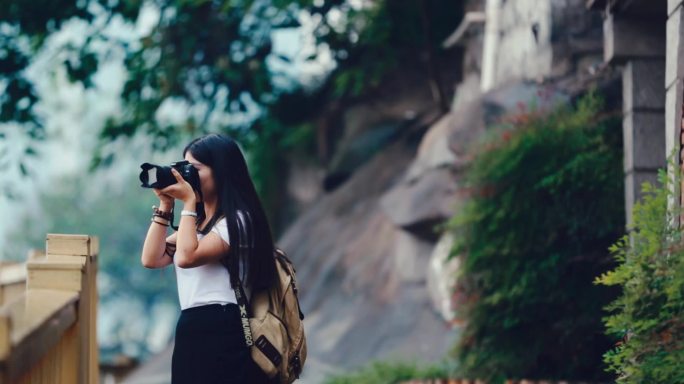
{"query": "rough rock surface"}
(420, 204)
(363, 289)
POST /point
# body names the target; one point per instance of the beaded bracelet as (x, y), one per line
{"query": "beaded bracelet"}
(159, 222)
(164, 215)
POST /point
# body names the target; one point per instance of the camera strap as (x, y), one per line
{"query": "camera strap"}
(240, 295)
(245, 313)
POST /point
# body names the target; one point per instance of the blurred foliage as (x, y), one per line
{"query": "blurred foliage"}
(386, 372)
(117, 217)
(211, 57)
(375, 40)
(545, 203)
(120, 218)
(648, 316)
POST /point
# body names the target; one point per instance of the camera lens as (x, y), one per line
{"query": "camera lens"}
(155, 176)
(151, 176)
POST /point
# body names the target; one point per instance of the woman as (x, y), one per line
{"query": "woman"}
(210, 345)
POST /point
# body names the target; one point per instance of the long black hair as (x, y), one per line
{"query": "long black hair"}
(235, 191)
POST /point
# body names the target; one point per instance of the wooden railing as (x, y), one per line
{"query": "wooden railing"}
(13, 277)
(48, 330)
(12, 281)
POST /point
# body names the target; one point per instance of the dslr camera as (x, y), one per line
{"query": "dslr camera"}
(160, 176)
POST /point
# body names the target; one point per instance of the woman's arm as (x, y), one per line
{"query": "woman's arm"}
(189, 251)
(186, 241)
(154, 249)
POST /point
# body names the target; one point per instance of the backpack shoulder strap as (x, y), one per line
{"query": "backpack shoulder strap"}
(290, 269)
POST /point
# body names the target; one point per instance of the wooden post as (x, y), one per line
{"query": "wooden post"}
(71, 264)
(5, 341)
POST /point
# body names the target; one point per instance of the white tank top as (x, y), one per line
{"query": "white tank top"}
(208, 283)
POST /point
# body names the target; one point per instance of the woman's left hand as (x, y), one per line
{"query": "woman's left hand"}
(182, 190)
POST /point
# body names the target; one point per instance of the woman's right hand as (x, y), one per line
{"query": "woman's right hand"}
(165, 201)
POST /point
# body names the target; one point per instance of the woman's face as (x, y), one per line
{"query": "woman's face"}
(205, 175)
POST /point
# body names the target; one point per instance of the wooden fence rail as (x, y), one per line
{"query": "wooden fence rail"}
(48, 331)
(12, 281)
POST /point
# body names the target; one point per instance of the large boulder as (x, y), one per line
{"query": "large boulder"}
(362, 277)
(420, 205)
(427, 192)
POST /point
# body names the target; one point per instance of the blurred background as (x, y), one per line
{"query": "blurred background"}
(453, 179)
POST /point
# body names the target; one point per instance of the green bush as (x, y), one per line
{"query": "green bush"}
(545, 203)
(385, 372)
(649, 314)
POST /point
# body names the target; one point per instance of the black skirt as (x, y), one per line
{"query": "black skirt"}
(210, 348)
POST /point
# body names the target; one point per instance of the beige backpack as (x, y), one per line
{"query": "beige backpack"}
(273, 326)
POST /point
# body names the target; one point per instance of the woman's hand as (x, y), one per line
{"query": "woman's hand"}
(164, 199)
(182, 190)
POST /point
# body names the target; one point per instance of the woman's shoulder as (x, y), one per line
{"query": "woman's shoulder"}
(221, 228)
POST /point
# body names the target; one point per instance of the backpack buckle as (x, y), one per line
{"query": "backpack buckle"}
(296, 365)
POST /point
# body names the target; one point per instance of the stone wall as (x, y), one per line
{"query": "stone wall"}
(536, 39)
(525, 49)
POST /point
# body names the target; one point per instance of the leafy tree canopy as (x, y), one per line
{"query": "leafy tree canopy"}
(211, 55)
(210, 60)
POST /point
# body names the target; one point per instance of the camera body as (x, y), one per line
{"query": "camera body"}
(160, 176)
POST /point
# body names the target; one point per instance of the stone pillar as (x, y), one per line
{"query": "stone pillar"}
(644, 118)
(637, 41)
(674, 74)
